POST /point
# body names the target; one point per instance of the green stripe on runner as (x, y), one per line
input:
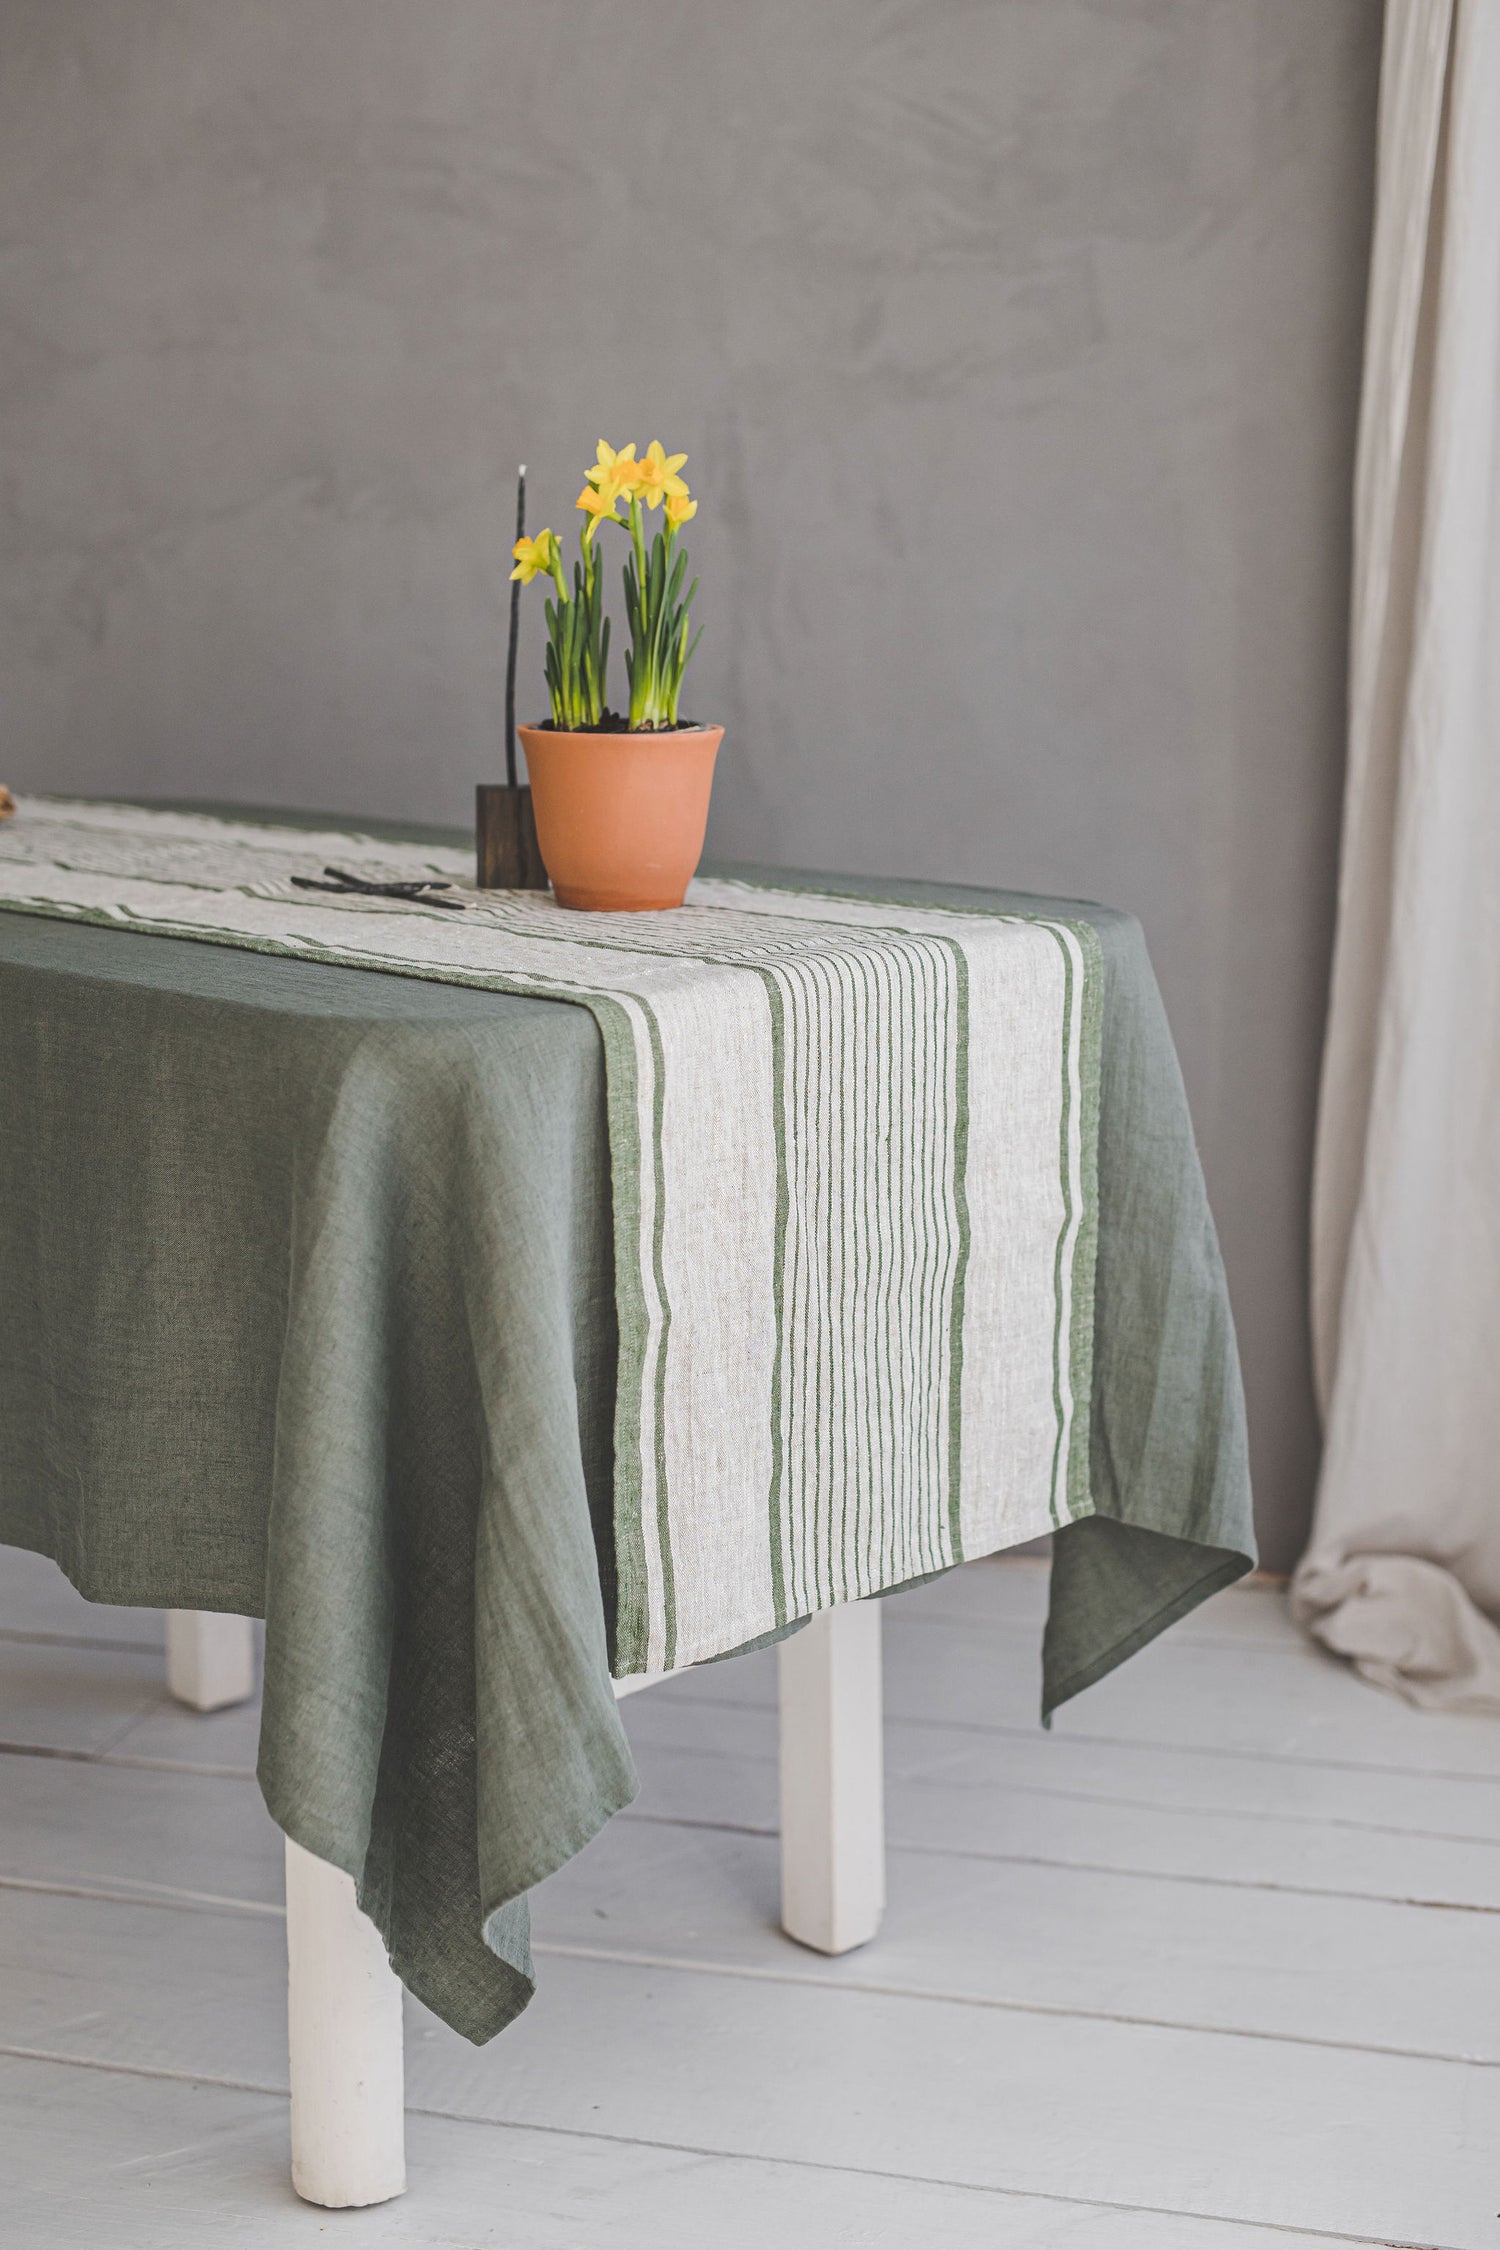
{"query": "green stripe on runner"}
(663, 1505)
(961, 1266)
(887, 1370)
(772, 988)
(1063, 1231)
(867, 968)
(848, 1076)
(1085, 1253)
(830, 1354)
(622, 1096)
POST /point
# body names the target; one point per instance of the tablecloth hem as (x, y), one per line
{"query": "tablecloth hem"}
(1234, 1565)
(113, 1592)
(494, 2013)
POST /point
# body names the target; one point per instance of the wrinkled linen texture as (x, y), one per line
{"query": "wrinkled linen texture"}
(1402, 1572)
(313, 1317)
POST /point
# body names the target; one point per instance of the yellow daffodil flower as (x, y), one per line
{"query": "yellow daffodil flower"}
(657, 478)
(612, 478)
(622, 467)
(600, 505)
(680, 509)
(535, 557)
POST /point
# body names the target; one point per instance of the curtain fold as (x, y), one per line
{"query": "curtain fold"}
(1402, 1574)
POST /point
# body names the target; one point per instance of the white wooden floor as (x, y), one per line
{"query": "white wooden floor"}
(1215, 1964)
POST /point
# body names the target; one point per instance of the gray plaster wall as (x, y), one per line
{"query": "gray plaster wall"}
(1015, 345)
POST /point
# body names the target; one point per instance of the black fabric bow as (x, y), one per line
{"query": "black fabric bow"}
(423, 892)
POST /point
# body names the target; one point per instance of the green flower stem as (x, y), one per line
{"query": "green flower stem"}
(657, 611)
(638, 536)
(577, 658)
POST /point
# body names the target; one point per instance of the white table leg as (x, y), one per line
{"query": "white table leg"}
(210, 1658)
(832, 1780)
(344, 2037)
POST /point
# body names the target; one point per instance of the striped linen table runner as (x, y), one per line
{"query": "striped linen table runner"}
(853, 1158)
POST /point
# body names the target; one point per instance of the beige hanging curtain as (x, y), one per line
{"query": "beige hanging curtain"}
(1403, 1571)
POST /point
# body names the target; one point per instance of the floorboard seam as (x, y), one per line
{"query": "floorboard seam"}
(129, 1764)
(48, 1750)
(20, 1637)
(931, 1772)
(984, 1858)
(136, 1891)
(133, 1764)
(211, 1772)
(998, 1727)
(749, 1972)
(124, 1893)
(1261, 1815)
(736, 2156)
(1294, 1652)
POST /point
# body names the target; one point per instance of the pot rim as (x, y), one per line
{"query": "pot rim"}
(616, 734)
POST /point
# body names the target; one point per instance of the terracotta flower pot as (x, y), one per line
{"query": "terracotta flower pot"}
(620, 817)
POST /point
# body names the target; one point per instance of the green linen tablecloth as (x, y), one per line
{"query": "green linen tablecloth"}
(308, 1313)
(853, 1172)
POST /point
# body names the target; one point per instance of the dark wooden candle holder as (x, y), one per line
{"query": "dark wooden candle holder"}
(505, 839)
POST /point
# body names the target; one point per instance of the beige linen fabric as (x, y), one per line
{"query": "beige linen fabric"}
(1403, 1571)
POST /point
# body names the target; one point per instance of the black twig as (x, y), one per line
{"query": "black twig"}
(423, 892)
(515, 629)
